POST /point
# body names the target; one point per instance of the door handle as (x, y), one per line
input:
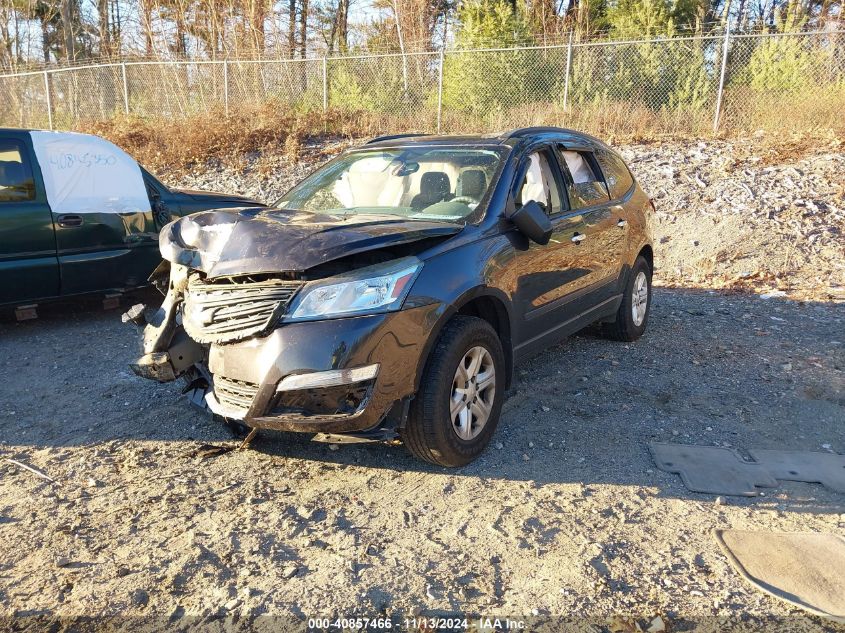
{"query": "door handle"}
(622, 223)
(70, 220)
(578, 238)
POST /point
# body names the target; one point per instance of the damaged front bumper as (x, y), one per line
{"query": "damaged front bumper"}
(333, 376)
(351, 375)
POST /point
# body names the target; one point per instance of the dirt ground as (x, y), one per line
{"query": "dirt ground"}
(153, 516)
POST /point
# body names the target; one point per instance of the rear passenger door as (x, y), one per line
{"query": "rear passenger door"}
(29, 268)
(551, 276)
(604, 222)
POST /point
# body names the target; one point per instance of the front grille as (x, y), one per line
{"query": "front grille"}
(220, 312)
(234, 394)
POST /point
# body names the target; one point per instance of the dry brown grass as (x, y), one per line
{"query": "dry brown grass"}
(617, 122)
(183, 143)
(258, 133)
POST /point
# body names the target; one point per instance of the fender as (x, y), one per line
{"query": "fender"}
(450, 309)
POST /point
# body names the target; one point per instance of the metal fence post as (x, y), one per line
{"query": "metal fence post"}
(440, 92)
(125, 88)
(566, 77)
(49, 99)
(226, 86)
(325, 85)
(719, 94)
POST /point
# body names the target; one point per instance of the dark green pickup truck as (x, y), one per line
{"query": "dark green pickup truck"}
(78, 215)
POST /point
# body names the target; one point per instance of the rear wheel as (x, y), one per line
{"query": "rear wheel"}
(632, 316)
(457, 408)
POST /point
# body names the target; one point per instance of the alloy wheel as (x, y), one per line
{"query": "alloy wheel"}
(473, 392)
(639, 299)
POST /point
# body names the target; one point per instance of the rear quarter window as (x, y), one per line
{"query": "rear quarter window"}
(619, 179)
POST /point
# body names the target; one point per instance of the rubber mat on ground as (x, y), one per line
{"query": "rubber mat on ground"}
(723, 471)
(711, 469)
(827, 469)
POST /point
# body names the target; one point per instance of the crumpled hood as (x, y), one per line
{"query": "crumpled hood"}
(267, 240)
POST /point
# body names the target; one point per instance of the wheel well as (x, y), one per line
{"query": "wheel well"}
(494, 312)
(648, 254)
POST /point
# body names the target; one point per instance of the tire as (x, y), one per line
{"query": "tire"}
(431, 433)
(625, 327)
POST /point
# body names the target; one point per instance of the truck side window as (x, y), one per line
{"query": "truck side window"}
(540, 185)
(16, 181)
(587, 187)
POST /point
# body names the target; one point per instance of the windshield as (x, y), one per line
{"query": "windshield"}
(421, 183)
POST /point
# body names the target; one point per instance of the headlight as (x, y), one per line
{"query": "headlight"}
(189, 231)
(380, 288)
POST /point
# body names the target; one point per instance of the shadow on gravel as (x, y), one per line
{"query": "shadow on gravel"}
(713, 369)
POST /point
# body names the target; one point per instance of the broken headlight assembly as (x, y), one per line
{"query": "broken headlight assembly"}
(370, 290)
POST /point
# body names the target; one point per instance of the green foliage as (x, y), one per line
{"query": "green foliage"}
(489, 81)
(781, 64)
(691, 87)
(641, 19)
(349, 89)
(658, 76)
(485, 23)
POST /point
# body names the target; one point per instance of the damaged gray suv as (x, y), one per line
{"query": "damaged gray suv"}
(390, 294)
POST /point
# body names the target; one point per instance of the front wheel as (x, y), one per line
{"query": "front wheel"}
(632, 316)
(457, 408)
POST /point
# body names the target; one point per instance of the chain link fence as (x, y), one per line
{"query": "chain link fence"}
(679, 85)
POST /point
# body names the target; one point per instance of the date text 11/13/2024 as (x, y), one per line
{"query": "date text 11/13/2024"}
(416, 623)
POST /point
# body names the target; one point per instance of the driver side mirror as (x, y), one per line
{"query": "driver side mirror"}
(533, 222)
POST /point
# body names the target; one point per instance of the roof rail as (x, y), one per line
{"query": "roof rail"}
(390, 137)
(525, 131)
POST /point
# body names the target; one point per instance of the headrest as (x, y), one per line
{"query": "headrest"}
(435, 183)
(472, 183)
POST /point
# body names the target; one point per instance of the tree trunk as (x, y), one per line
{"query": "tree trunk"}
(45, 38)
(341, 28)
(146, 9)
(103, 24)
(292, 28)
(67, 29)
(259, 15)
(181, 47)
(116, 39)
(303, 28)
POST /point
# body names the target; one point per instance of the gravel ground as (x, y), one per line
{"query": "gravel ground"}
(152, 513)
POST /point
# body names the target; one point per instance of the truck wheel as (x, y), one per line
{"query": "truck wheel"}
(455, 412)
(632, 316)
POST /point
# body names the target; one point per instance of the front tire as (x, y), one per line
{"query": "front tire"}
(632, 316)
(457, 408)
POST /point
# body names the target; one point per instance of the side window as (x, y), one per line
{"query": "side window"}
(587, 187)
(540, 184)
(616, 173)
(16, 181)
